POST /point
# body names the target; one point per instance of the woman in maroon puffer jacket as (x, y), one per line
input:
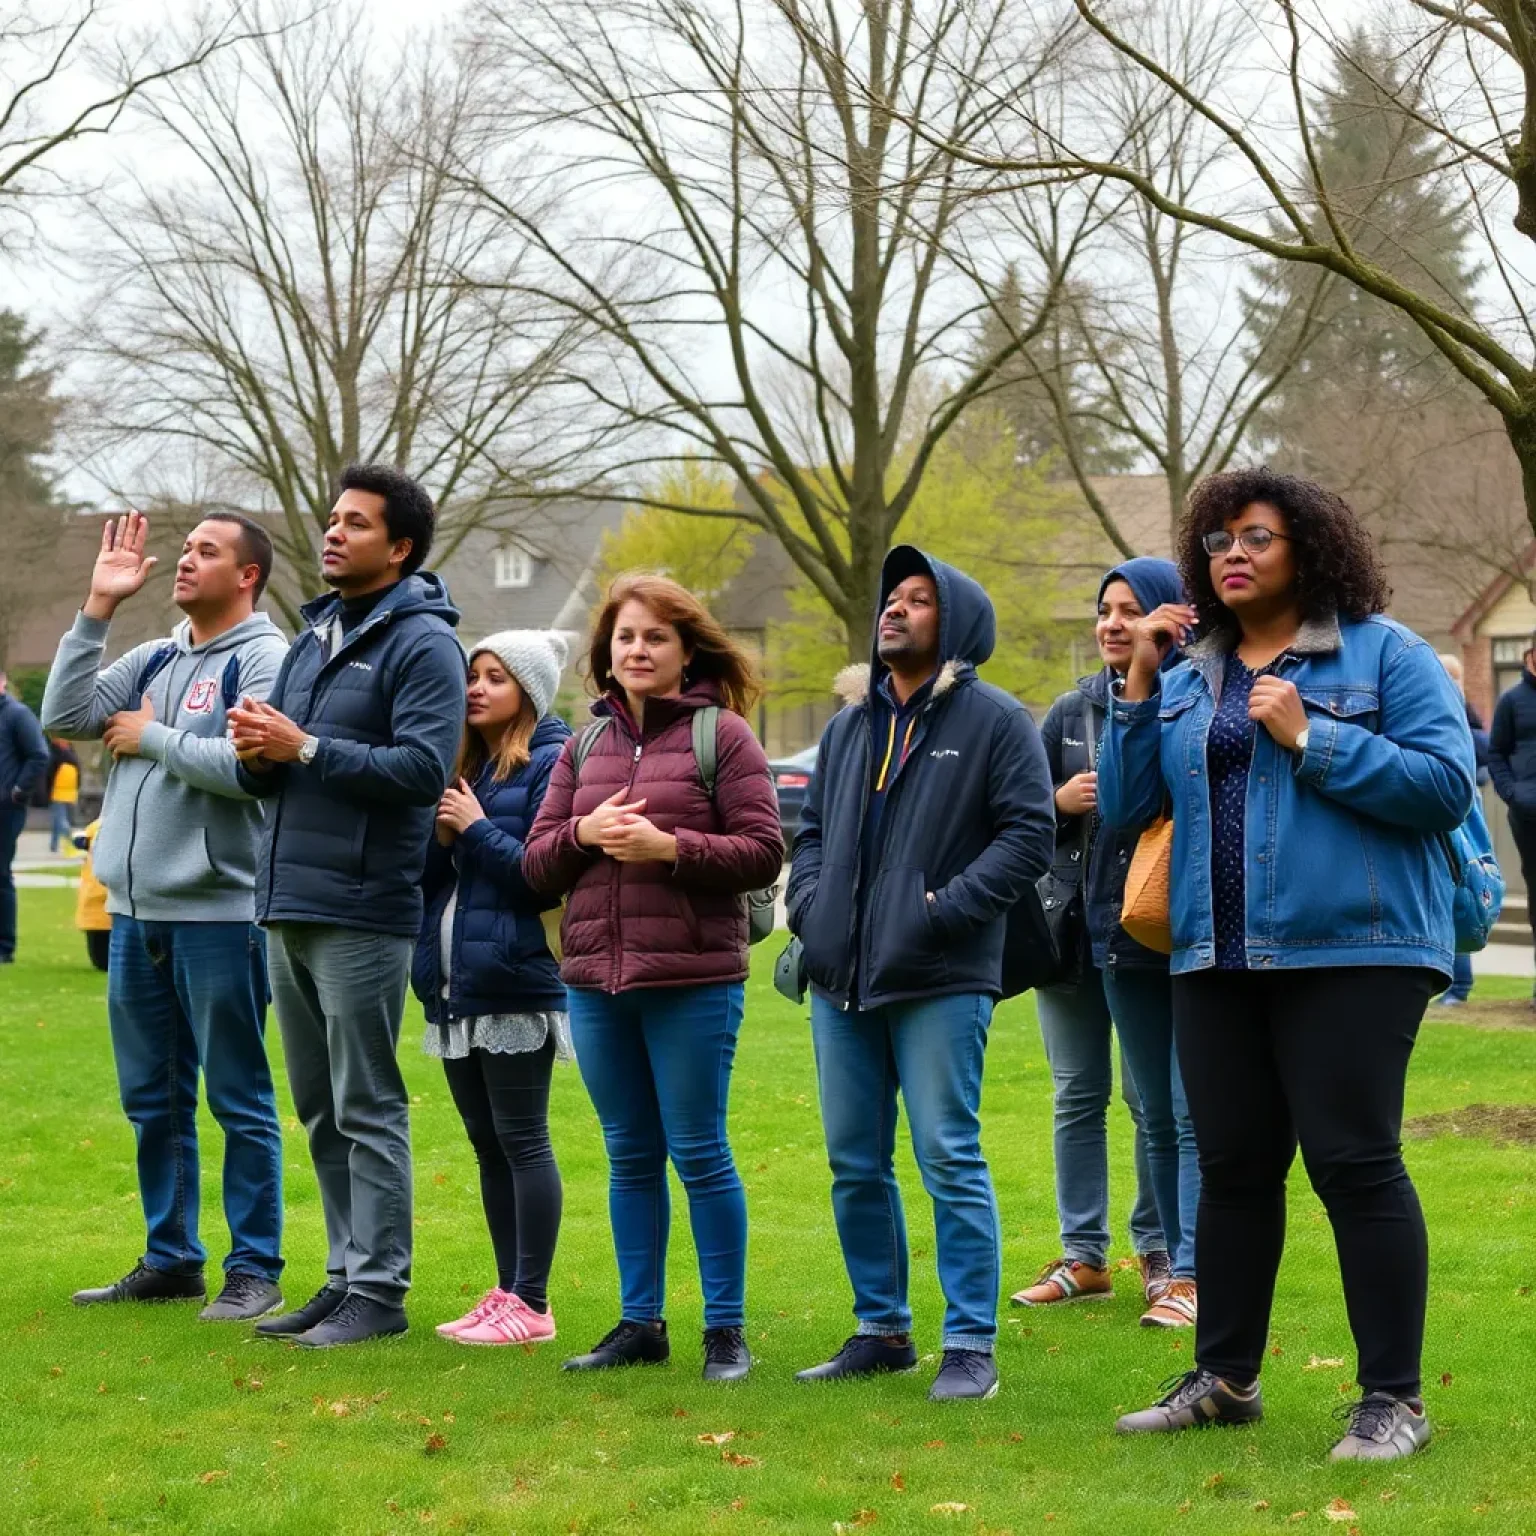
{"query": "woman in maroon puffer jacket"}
(655, 942)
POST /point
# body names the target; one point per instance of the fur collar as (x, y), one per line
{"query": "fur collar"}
(851, 685)
(1316, 637)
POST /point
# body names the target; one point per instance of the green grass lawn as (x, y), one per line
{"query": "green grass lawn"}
(145, 1420)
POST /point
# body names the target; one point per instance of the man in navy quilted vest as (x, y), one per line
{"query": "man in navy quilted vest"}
(354, 748)
(187, 979)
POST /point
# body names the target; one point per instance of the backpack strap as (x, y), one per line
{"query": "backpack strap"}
(588, 739)
(706, 745)
(155, 663)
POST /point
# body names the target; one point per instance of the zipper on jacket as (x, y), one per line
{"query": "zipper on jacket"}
(617, 968)
(133, 820)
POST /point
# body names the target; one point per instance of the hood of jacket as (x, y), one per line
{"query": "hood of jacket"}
(420, 592)
(232, 639)
(967, 624)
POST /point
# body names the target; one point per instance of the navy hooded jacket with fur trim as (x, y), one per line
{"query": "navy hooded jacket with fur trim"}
(969, 816)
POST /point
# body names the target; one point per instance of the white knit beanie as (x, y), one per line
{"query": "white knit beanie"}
(535, 657)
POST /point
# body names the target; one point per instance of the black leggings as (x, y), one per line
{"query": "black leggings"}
(1321, 1056)
(504, 1103)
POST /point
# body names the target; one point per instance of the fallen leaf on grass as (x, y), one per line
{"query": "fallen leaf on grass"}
(865, 1517)
(935, 1445)
(679, 1413)
(1261, 1504)
(439, 1178)
(1330, 1364)
(1184, 1508)
(723, 1437)
(949, 1507)
(898, 1482)
(1339, 1512)
(212, 1477)
(1300, 1514)
(435, 1443)
(1215, 1480)
(1445, 1378)
(341, 1410)
(736, 1459)
(1388, 1494)
(55, 1370)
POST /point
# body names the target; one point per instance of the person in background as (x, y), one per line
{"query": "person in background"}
(352, 752)
(655, 936)
(91, 915)
(1314, 752)
(929, 816)
(1119, 980)
(63, 793)
(495, 1005)
(23, 761)
(1460, 989)
(186, 973)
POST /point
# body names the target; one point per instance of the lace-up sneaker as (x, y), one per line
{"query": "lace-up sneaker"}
(482, 1309)
(315, 1310)
(357, 1320)
(726, 1356)
(142, 1283)
(1197, 1399)
(1176, 1306)
(629, 1344)
(964, 1374)
(1156, 1271)
(865, 1354)
(513, 1322)
(1383, 1428)
(1065, 1280)
(245, 1297)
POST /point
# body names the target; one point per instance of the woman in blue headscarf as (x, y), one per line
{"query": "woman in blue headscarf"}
(1120, 982)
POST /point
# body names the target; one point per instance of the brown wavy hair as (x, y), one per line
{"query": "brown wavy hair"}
(513, 752)
(716, 657)
(1337, 571)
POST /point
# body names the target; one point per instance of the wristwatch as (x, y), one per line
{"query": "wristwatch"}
(307, 749)
(1302, 738)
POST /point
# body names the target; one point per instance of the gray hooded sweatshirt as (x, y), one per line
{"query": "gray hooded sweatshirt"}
(178, 834)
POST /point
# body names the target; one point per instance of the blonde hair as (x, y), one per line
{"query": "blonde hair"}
(715, 655)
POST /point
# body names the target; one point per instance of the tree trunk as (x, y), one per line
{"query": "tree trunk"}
(1521, 431)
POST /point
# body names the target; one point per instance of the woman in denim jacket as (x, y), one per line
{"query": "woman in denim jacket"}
(1313, 752)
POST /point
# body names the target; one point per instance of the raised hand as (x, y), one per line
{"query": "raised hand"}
(1152, 637)
(121, 567)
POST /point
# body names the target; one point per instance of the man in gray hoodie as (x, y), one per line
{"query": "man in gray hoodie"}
(187, 977)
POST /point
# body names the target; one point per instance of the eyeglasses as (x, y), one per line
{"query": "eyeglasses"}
(1254, 540)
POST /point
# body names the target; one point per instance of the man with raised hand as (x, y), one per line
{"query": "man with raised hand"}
(23, 760)
(187, 978)
(354, 749)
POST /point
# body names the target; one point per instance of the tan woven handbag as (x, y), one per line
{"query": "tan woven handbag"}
(1145, 912)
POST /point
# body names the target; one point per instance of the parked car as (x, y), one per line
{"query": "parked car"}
(791, 778)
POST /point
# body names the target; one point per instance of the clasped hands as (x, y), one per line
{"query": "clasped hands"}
(618, 829)
(263, 735)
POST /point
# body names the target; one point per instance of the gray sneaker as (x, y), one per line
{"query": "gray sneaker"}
(1197, 1399)
(245, 1297)
(1383, 1428)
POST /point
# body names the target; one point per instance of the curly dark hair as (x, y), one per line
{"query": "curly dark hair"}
(408, 510)
(1336, 566)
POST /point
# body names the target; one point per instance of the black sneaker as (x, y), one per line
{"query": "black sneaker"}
(726, 1356)
(315, 1310)
(1197, 1399)
(142, 1283)
(965, 1373)
(355, 1321)
(628, 1344)
(245, 1297)
(865, 1354)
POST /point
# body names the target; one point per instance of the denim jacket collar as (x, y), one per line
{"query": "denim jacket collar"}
(1316, 637)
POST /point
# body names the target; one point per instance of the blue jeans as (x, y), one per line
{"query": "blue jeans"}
(60, 832)
(932, 1049)
(182, 996)
(1461, 978)
(1141, 1003)
(1076, 1029)
(12, 819)
(657, 1064)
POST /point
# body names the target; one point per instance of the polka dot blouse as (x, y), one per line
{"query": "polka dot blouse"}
(1229, 755)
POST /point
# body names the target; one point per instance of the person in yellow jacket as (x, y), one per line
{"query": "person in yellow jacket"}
(63, 794)
(91, 915)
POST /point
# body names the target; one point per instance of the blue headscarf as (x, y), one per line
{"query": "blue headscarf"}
(1154, 582)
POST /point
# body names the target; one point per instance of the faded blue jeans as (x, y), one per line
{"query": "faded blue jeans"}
(1141, 1003)
(182, 996)
(657, 1064)
(1077, 1031)
(932, 1049)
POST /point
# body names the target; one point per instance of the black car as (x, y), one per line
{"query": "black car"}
(791, 778)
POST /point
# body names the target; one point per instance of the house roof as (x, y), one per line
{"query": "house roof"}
(1467, 624)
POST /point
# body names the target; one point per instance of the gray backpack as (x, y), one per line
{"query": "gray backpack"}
(761, 905)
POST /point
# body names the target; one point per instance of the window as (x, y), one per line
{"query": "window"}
(514, 567)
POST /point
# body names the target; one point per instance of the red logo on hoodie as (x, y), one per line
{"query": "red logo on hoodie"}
(200, 700)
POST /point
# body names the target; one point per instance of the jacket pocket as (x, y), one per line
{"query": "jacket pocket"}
(824, 927)
(1359, 705)
(906, 953)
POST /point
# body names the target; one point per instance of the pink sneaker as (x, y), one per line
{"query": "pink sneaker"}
(515, 1322)
(482, 1309)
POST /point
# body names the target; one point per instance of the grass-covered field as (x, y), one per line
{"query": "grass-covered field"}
(145, 1420)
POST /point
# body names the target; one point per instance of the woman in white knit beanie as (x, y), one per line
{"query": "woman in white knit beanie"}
(495, 1005)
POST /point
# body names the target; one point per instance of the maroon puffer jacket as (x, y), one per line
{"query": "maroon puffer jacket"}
(651, 925)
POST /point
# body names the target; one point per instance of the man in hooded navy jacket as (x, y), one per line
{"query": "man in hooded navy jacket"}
(929, 816)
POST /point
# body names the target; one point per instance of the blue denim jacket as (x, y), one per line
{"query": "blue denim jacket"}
(1342, 863)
